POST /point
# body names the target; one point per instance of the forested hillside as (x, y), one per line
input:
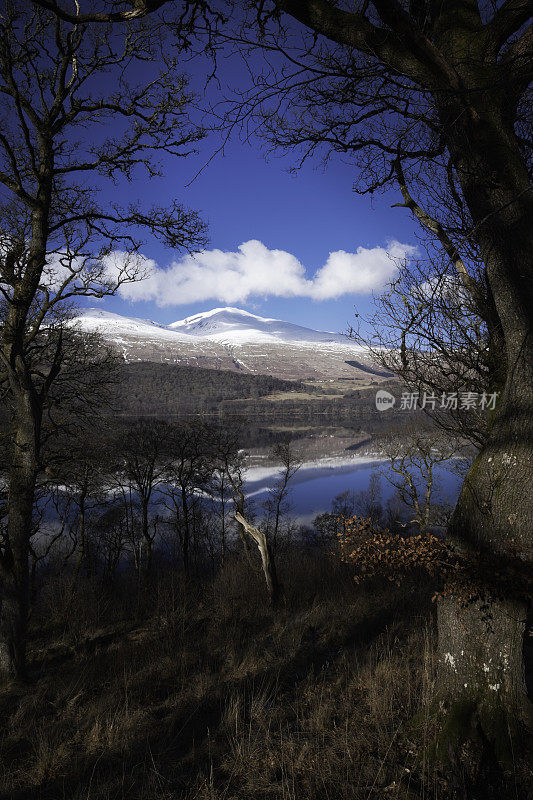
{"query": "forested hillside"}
(172, 390)
(168, 389)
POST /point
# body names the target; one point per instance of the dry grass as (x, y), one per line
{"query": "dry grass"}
(197, 691)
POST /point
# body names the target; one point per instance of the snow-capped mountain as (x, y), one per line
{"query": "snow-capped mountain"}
(235, 326)
(230, 338)
(115, 326)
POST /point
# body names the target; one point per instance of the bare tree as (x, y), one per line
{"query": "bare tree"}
(110, 535)
(226, 459)
(232, 461)
(267, 558)
(235, 474)
(143, 451)
(413, 462)
(221, 490)
(81, 475)
(188, 471)
(278, 494)
(61, 81)
(368, 501)
(426, 331)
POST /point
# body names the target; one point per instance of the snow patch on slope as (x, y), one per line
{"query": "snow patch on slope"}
(115, 326)
(237, 326)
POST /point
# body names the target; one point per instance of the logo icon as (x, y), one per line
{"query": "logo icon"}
(384, 400)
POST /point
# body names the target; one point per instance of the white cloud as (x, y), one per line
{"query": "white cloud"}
(254, 270)
(362, 272)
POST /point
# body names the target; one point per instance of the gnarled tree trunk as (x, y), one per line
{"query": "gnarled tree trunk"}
(480, 646)
(267, 558)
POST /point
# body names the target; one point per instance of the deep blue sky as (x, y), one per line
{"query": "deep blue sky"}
(242, 196)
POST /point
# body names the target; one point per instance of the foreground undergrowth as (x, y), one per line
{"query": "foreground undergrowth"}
(195, 689)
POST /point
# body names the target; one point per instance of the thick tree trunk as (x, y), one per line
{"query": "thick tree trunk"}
(481, 646)
(13, 624)
(481, 676)
(481, 664)
(15, 568)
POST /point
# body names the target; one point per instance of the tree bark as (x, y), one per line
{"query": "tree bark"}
(481, 675)
(481, 661)
(15, 563)
(267, 559)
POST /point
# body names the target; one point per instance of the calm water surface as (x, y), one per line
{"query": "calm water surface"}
(317, 483)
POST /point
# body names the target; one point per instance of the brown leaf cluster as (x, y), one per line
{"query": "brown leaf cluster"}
(375, 551)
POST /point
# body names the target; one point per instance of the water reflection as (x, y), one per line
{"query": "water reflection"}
(318, 482)
(339, 460)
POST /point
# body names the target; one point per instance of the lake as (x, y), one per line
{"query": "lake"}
(333, 462)
(319, 481)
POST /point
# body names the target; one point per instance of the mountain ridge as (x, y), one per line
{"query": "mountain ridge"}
(220, 323)
(233, 339)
